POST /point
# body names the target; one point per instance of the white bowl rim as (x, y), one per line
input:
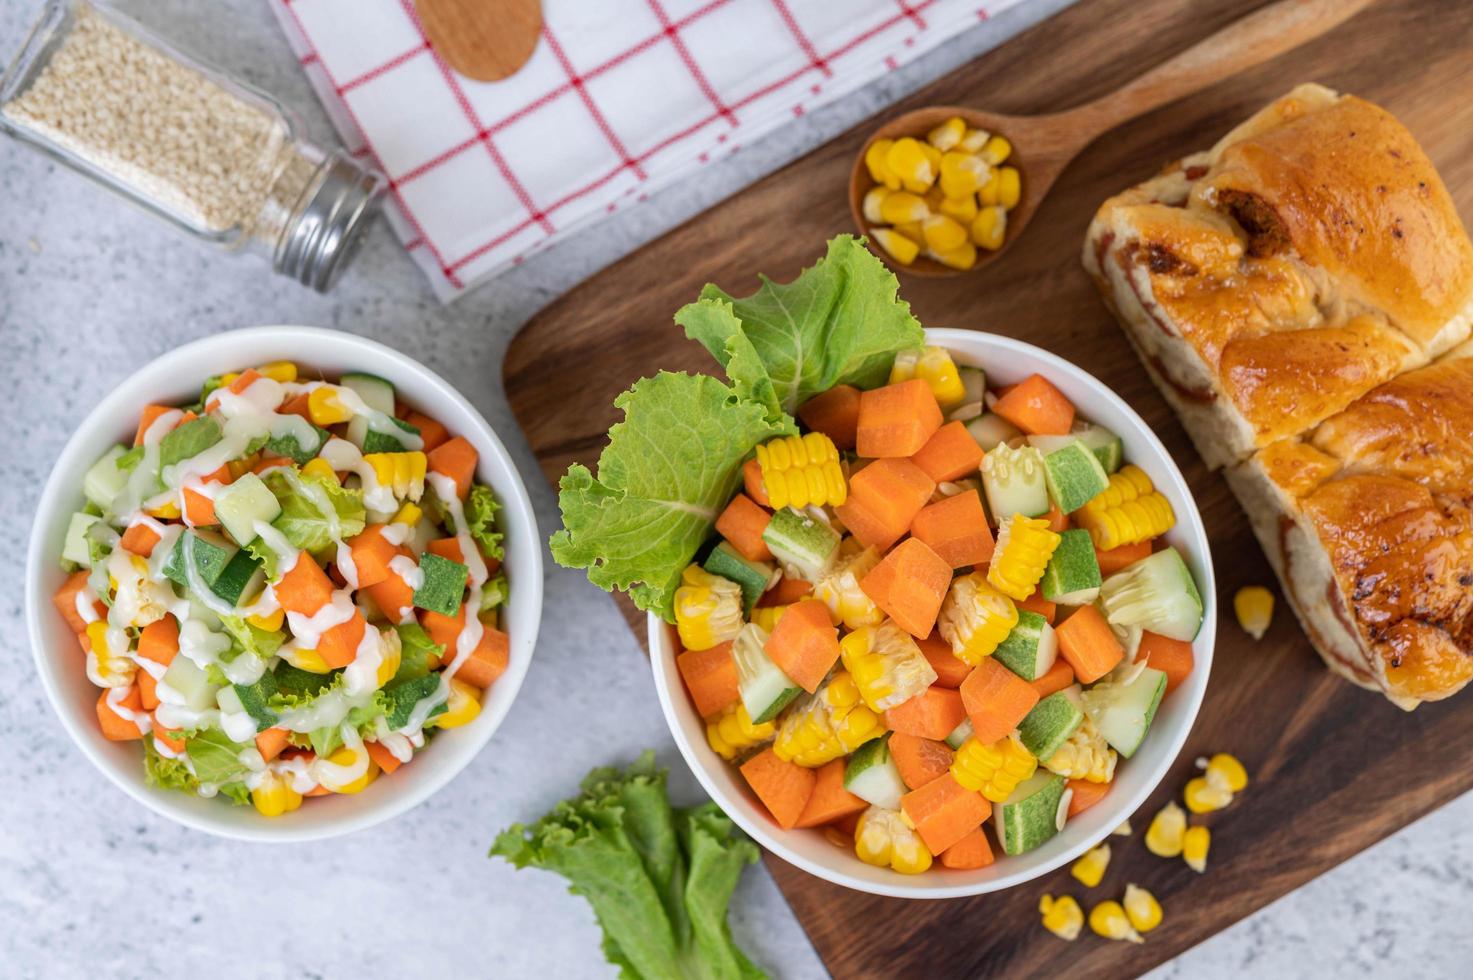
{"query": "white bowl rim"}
(124, 401)
(774, 839)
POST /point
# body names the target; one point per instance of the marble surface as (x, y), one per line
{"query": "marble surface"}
(93, 884)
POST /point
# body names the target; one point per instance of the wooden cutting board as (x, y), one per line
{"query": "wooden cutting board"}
(1334, 768)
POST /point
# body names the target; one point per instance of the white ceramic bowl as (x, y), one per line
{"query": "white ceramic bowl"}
(1006, 361)
(176, 378)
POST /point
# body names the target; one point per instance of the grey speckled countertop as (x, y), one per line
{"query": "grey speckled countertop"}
(92, 884)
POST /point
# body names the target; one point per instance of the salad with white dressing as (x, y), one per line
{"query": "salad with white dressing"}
(285, 588)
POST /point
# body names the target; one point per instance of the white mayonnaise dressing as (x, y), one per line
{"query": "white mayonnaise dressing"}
(407, 569)
(346, 568)
(86, 600)
(395, 534)
(174, 713)
(164, 750)
(343, 456)
(141, 479)
(238, 726)
(286, 555)
(377, 421)
(308, 630)
(335, 776)
(360, 678)
(139, 718)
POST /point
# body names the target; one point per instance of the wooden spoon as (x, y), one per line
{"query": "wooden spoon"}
(1044, 145)
(486, 40)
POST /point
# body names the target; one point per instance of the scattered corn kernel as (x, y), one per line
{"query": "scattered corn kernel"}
(948, 135)
(963, 209)
(1164, 836)
(408, 515)
(1195, 845)
(801, 470)
(879, 170)
(325, 407)
(962, 174)
(908, 160)
(873, 199)
(1090, 868)
(913, 230)
(1009, 187)
(1062, 916)
(1225, 768)
(900, 248)
(1142, 908)
(1109, 920)
(1202, 797)
(270, 622)
(346, 756)
(1254, 606)
(990, 193)
(309, 660)
(996, 150)
(934, 155)
(943, 234)
(990, 227)
(974, 140)
(1123, 830)
(166, 511)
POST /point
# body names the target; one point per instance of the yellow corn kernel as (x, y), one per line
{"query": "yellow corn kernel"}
(963, 257)
(996, 150)
(990, 193)
(1141, 908)
(1062, 916)
(1196, 842)
(309, 660)
(347, 757)
(933, 155)
(887, 666)
(325, 407)
(283, 371)
(901, 206)
(834, 721)
(166, 511)
(907, 159)
(1084, 755)
(270, 622)
(798, 471)
(408, 515)
(934, 366)
(107, 667)
(708, 609)
(1226, 770)
(388, 665)
(1164, 836)
(1109, 920)
(995, 769)
(963, 209)
(402, 473)
(883, 839)
(228, 377)
(962, 174)
(274, 796)
(1009, 187)
(1090, 868)
(732, 732)
(896, 245)
(461, 708)
(913, 230)
(974, 140)
(1128, 511)
(874, 199)
(1202, 797)
(767, 617)
(943, 234)
(1254, 607)
(839, 590)
(948, 134)
(320, 468)
(975, 618)
(1024, 547)
(990, 227)
(879, 171)
(1124, 830)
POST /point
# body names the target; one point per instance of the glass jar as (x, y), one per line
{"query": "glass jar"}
(210, 155)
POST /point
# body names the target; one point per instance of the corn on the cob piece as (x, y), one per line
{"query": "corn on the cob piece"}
(993, 770)
(1196, 842)
(708, 609)
(767, 617)
(934, 366)
(1129, 510)
(325, 407)
(833, 721)
(1086, 755)
(402, 473)
(1090, 868)
(1254, 607)
(887, 666)
(975, 618)
(1109, 920)
(840, 591)
(1141, 908)
(1024, 546)
(1164, 836)
(732, 732)
(1062, 916)
(883, 838)
(799, 471)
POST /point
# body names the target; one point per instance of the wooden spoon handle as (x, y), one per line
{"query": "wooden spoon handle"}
(1266, 33)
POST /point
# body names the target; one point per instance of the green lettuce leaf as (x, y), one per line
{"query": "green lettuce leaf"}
(237, 793)
(264, 556)
(840, 322)
(415, 650)
(189, 440)
(302, 521)
(166, 773)
(295, 687)
(327, 739)
(659, 879)
(252, 639)
(216, 758)
(667, 472)
(480, 519)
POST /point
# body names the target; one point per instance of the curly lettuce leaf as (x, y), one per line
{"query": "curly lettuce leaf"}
(165, 773)
(304, 520)
(667, 472)
(840, 322)
(252, 639)
(415, 650)
(215, 756)
(716, 854)
(480, 518)
(238, 793)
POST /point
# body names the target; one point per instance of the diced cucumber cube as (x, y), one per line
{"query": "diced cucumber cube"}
(189, 440)
(211, 554)
(1072, 577)
(1123, 712)
(1030, 649)
(1015, 482)
(238, 576)
(378, 395)
(960, 734)
(443, 585)
(76, 548)
(192, 684)
(1075, 476)
(752, 576)
(871, 774)
(288, 444)
(1156, 593)
(992, 431)
(105, 480)
(1105, 444)
(1049, 725)
(1030, 816)
(375, 441)
(253, 699)
(241, 504)
(804, 545)
(764, 688)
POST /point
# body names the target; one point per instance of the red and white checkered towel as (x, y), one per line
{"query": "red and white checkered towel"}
(620, 98)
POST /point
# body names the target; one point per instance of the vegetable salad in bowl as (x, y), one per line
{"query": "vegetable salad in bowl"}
(285, 588)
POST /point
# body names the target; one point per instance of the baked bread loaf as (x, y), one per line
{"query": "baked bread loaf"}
(1302, 294)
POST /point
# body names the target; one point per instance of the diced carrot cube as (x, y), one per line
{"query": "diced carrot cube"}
(139, 539)
(1171, 657)
(835, 413)
(909, 584)
(431, 433)
(782, 786)
(338, 647)
(1056, 678)
(1088, 643)
(896, 420)
(159, 640)
(1115, 559)
(711, 678)
(884, 498)
(447, 548)
(752, 481)
(742, 523)
(933, 714)
(65, 601)
(456, 459)
(487, 661)
(919, 760)
(950, 669)
(971, 852)
(1086, 794)
(956, 529)
(1038, 604)
(829, 800)
(146, 419)
(270, 742)
(380, 754)
(305, 588)
(996, 700)
(114, 726)
(786, 592)
(950, 454)
(944, 811)
(1037, 407)
(804, 644)
(372, 553)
